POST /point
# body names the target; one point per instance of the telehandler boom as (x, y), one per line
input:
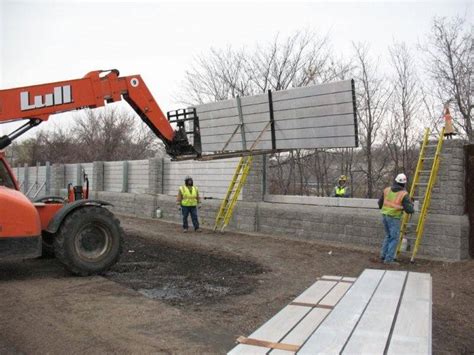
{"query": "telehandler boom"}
(82, 234)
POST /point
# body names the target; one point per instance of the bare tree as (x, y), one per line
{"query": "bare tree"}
(372, 97)
(406, 108)
(297, 60)
(112, 134)
(449, 63)
(218, 75)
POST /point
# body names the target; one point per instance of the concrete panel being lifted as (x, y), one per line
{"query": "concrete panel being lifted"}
(321, 116)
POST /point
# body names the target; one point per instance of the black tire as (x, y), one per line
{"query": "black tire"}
(47, 250)
(89, 241)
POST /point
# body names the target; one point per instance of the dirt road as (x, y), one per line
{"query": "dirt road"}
(194, 293)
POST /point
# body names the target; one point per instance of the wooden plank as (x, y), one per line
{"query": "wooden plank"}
(372, 332)
(412, 331)
(331, 336)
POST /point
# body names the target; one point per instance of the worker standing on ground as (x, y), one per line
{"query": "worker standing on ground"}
(188, 202)
(341, 190)
(393, 202)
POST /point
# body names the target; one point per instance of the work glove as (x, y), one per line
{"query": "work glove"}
(179, 208)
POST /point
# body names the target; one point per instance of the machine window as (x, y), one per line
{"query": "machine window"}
(5, 178)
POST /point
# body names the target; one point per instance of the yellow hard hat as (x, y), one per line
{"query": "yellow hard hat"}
(343, 178)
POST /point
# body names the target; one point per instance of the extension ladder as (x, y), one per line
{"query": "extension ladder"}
(228, 203)
(427, 166)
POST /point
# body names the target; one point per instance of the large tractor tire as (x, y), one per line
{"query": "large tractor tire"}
(47, 251)
(89, 241)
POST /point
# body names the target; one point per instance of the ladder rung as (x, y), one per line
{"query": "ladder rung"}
(422, 183)
(425, 171)
(431, 145)
(430, 158)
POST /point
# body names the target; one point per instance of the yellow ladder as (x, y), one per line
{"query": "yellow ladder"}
(423, 168)
(228, 203)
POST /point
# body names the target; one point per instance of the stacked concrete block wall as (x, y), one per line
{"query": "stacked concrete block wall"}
(139, 188)
(446, 229)
(254, 188)
(449, 191)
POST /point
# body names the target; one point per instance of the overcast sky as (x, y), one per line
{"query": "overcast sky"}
(44, 41)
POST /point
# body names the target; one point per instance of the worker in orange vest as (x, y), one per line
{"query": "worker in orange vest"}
(394, 201)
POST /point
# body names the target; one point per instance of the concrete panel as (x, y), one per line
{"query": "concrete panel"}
(297, 114)
(324, 89)
(70, 174)
(113, 176)
(211, 177)
(138, 176)
(88, 167)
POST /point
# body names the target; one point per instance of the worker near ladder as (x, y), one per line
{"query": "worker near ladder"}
(341, 190)
(188, 201)
(393, 202)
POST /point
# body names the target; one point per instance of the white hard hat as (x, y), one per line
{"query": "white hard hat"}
(401, 179)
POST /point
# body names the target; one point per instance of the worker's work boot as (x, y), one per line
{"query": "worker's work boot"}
(185, 231)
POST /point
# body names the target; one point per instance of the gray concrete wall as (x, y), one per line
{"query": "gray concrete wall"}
(139, 188)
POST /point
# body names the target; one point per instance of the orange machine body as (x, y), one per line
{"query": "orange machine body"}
(20, 224)
(22, 221)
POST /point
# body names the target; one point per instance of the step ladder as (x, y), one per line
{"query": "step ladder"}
(427, 166)
(228, 203)
(240, 176)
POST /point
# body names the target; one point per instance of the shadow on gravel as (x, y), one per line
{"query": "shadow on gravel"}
(31, 269)
(182, 275)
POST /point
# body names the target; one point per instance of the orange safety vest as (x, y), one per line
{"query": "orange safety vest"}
(392, 202)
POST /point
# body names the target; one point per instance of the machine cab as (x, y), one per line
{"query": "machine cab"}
(7, 179)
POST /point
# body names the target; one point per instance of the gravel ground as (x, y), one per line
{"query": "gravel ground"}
(195, 293)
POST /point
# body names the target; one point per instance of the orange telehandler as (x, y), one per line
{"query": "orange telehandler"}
(85, 236)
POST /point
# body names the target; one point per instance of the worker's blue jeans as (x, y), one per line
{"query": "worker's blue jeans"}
(186, 210)
(392, 233)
